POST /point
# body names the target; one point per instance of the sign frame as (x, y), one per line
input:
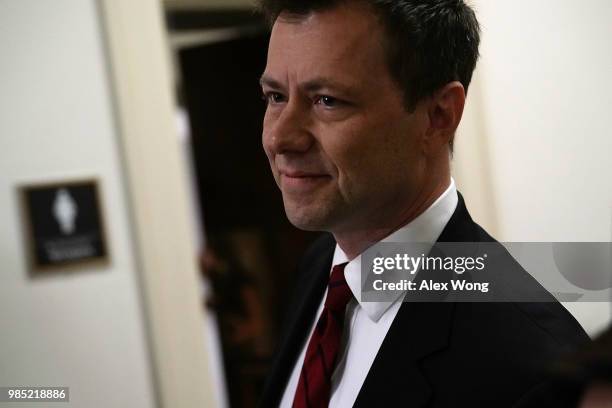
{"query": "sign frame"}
(35, 268)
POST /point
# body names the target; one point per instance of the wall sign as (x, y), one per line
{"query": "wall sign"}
(63, 225)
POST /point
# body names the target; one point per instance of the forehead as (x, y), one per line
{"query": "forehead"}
(345, 41)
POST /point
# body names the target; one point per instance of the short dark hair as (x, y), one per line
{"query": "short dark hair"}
(429, 42)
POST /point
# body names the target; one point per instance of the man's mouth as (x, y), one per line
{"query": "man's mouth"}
(300, 181)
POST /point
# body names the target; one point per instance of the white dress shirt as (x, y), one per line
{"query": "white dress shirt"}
(367, 323)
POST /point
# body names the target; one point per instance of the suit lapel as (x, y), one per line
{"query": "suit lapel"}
(310, 292)
(418, 330)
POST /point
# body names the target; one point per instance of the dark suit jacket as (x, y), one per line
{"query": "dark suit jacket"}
(441, 354)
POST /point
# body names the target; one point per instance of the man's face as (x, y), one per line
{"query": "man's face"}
(344, 151)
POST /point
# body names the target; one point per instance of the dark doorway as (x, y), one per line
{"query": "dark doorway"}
(252, 250)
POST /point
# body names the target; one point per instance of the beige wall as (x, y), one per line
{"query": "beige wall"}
(157, 181)
(83, 329)
(533, 153)
(203, 4)
(86, 92)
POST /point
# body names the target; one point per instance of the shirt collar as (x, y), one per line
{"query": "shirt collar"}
(425, 228)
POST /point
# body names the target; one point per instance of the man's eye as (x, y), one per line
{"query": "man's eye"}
(273, 97)
(327, 101)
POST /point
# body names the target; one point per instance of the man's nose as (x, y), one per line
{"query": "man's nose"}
(289, 131)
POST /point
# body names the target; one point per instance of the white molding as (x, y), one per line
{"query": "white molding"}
(209, 4)
(158, 196)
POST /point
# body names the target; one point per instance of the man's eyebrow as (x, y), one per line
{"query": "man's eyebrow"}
(319, 83)
(270, 82)
(312, 85)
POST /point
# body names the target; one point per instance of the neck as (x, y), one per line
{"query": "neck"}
(354, 242)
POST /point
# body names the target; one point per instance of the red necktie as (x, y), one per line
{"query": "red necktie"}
(314, 386)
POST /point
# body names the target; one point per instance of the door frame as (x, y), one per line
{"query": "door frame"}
(158, 197)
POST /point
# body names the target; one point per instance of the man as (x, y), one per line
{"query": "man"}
(363, 100)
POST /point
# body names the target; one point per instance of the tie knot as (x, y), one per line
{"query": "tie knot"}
(338, 291)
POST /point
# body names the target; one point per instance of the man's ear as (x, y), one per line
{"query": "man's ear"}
(445, 111)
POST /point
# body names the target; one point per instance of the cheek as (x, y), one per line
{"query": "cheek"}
(269, 154)
(266, 139)
(265, 130)
(266, 145)
(354, 151)
(372, 154)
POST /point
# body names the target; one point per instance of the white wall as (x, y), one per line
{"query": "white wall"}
(540, 106)
(209, 4)
(85, 329)
(158, 184)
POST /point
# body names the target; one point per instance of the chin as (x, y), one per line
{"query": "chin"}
(308, 220)
(305, 223)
